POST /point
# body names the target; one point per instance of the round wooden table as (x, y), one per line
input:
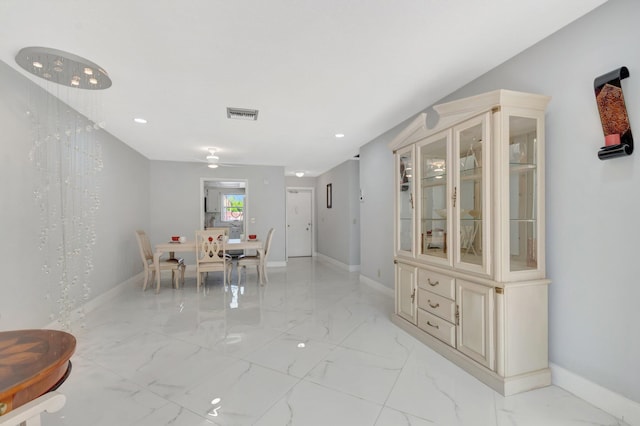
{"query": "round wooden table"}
(32, 363)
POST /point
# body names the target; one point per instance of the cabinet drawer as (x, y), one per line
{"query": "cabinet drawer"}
(439, 284)
(437, 305)
(437, 327)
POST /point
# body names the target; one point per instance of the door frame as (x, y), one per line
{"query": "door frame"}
(204, 180)
(313, 217)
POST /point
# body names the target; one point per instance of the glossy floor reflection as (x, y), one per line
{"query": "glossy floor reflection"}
(312, 347)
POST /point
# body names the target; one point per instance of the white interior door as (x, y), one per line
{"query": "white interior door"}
(299, 222)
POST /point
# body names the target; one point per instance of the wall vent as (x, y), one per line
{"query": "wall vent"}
(242, 114)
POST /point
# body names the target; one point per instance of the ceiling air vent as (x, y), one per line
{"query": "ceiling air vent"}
(242, 114)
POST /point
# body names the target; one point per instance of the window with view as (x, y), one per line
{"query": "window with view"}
(232, 207)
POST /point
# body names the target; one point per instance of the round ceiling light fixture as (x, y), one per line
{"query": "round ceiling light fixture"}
(63, 68)
(212, 158)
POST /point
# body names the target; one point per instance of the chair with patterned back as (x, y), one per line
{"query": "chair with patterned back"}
(260, 262)
(174, 265)
(211, 254)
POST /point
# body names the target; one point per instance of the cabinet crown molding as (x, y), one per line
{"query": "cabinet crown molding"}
(412, 133)
(454, 112)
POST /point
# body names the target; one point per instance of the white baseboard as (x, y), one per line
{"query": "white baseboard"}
(377, 286)
(94, 303)
(331, 260)
(603, 398)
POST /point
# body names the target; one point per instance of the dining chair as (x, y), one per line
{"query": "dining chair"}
(223, 231)
(258, 261)
(211, 254)
(173, 264)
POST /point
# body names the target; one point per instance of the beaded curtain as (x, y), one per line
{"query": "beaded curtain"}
(67, 158)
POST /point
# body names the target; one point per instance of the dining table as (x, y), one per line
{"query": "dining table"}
(190, 247)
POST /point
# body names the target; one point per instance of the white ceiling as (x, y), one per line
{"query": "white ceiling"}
(313, 68)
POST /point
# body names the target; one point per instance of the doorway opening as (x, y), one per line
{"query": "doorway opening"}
(224, 205)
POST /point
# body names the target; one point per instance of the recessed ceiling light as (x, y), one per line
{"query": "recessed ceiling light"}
(339, 135)
(140, 120)
(299, 174)
(212, 166)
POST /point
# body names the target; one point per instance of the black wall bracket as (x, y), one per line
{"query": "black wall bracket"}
(613, 114)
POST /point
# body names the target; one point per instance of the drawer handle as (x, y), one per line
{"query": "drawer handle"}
(436, 326)
(433, 306)
(432, 284)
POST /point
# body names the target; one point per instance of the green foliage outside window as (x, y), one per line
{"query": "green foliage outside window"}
(232, 207)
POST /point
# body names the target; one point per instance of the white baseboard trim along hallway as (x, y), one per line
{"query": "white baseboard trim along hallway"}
(331, 260)
(601, 397)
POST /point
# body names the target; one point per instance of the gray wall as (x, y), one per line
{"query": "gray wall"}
(175, 201)
(303, 182)
(338, 228)
(376, 210)
(590, 204)
(29, 296)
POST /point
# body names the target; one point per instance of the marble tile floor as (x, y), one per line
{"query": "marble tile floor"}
(312, 347)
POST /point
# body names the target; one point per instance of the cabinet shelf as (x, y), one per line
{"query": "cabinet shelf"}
(521, 167)
(471, 174)
(431, 182)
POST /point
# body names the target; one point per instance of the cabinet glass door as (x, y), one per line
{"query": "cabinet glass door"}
(405, 201)
(434, 200)
(470, 192)
(523, 161)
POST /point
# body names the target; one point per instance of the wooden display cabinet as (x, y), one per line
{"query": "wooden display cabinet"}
(469, 237)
